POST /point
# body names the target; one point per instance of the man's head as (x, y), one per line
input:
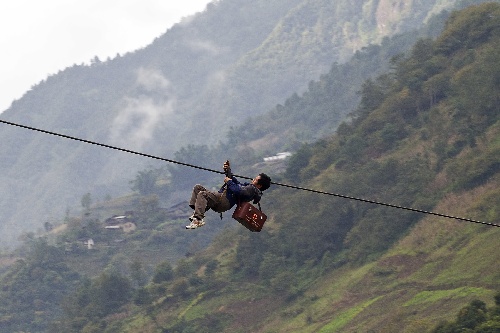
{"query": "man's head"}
(262, 181)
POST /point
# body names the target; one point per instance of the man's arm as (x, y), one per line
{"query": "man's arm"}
(231, 179)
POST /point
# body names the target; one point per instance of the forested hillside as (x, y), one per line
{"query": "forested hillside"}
(190, 86)
(425, 135)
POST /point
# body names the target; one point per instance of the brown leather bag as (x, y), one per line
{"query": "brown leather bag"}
(249, 216)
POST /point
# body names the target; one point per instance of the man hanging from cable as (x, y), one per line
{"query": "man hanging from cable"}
(231, 192)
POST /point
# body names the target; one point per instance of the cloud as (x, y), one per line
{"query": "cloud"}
(135, 124)
(205, 46)
(218, 78)
(152, 80)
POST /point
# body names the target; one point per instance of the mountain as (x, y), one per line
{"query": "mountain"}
(234, 60)
(424, 135)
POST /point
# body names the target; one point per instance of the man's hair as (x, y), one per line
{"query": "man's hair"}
(264, 181)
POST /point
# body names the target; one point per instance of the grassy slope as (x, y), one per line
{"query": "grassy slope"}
(431, 273)
(427, 277)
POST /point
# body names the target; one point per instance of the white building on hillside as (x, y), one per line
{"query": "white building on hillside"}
(278, 156)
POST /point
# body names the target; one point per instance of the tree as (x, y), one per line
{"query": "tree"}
(181, 176)
(373, 94)
(145, 182)
(86, 201)
(109, 292)
(474, 318)
(297, 162)
(163, 272)
(210, 268)
(137, 273)
(472, 315)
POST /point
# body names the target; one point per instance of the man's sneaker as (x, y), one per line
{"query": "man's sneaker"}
(195, 223)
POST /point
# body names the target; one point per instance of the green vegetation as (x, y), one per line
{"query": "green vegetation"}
(236, 60)
(433, 296)
(60, 277)
(321, 264)
(34, 287)
(474, 318)
(344, 318)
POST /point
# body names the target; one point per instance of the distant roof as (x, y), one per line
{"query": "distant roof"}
(278, 156)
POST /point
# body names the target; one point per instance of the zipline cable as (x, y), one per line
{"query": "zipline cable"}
(110, 147)
(388, 205)
(221, 172)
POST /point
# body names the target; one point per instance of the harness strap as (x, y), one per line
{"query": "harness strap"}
(223, 195)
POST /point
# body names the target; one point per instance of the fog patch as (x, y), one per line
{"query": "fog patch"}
(204, 46)
(142, 113)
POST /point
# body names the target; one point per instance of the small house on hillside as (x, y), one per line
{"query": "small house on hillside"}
(89, 243)
(278, 156)
(178, 211)
(121, 222)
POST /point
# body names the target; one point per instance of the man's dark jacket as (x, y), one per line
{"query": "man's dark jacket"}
(241, 192)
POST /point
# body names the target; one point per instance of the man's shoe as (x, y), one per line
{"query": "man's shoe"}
(195, 223)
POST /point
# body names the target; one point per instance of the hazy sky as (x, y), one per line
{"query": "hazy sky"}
(39, 38)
